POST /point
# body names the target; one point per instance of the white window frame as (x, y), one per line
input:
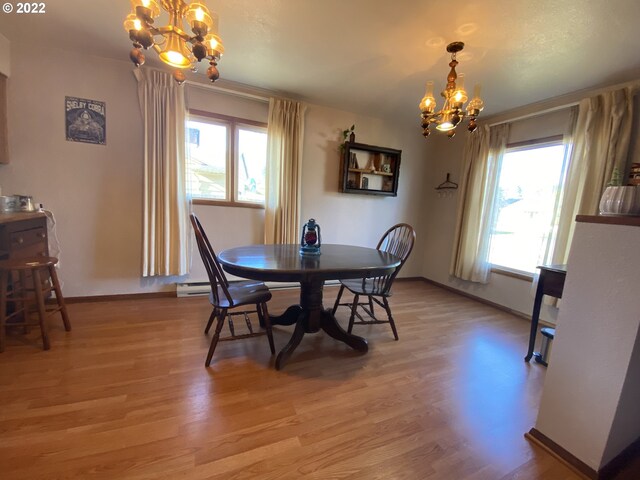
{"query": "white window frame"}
(233, 125)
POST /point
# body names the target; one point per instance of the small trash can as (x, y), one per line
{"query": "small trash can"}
(547, 336)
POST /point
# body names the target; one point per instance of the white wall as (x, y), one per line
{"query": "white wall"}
(591, 394)
(203, 96)
(95, 191)
(361, 219)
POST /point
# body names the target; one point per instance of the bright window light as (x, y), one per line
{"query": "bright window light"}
(252, 164)
(206, 160)
(529, 192)
(226, 160)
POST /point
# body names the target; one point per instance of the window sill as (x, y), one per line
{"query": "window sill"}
(527, 277)
(225, 203)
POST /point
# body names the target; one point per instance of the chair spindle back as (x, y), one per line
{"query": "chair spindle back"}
(398, 241)
(216, 275)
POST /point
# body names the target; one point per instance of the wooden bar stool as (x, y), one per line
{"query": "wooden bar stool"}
(22, 286)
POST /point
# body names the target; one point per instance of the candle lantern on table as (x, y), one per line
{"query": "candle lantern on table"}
(310, 239)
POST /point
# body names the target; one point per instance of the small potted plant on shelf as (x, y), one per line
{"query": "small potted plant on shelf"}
(350, 134)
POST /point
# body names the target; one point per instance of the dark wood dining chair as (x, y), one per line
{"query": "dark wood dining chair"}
(227, 296)
(398, 240)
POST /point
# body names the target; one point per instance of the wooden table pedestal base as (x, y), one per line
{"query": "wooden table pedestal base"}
(310, 317)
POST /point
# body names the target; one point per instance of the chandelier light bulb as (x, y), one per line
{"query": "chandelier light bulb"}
(199, 19)
(175, 59)
(176, 53)
(213, 42)
(146, 9)
(446, 125)
(132, 23)
(459, 94)
(214, 45)
(476, 104)
(428, 103)
(150, 4)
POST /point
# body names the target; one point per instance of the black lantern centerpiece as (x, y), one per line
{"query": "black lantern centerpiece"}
(310, 240)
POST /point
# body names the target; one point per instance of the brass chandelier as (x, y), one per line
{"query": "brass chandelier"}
(175, 46)
(455, 96)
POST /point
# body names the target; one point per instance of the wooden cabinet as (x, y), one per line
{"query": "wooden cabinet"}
(370, 170)
(23, 235)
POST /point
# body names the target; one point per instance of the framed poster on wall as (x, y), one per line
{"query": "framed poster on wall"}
(85, 120)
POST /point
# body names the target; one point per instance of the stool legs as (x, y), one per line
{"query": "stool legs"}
(23, 297)
(24, 305)
(42, 314)
(59, 298)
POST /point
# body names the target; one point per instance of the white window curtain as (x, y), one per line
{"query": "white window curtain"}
(166, 237)
(476, 211)
(285, 133)
(600, 142)
(554, 240)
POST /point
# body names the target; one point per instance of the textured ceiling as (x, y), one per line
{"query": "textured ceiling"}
(373, 56)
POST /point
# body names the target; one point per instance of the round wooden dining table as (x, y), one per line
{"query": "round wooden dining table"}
(284, 263)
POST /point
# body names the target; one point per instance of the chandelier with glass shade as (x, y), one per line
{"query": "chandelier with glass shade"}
(453, 111)
(172, 43)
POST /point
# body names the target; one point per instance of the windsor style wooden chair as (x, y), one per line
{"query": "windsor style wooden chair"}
(227, 296)
(398, 241)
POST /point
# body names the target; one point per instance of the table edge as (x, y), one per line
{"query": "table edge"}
(306, 276)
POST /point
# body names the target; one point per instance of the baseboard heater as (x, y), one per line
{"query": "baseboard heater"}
(192, 289)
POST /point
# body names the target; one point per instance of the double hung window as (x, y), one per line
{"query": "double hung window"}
(226, 160)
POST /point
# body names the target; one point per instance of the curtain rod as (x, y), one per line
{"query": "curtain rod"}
(570, 100)
(229, 91)
(535, 114)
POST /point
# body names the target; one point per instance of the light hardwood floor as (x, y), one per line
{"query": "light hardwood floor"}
(125, 395)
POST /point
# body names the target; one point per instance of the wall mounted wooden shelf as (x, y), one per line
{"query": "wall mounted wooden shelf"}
(370, 170)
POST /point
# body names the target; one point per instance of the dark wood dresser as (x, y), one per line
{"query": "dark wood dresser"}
(23, 234)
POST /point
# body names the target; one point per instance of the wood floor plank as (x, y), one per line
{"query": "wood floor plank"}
(125, 395)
